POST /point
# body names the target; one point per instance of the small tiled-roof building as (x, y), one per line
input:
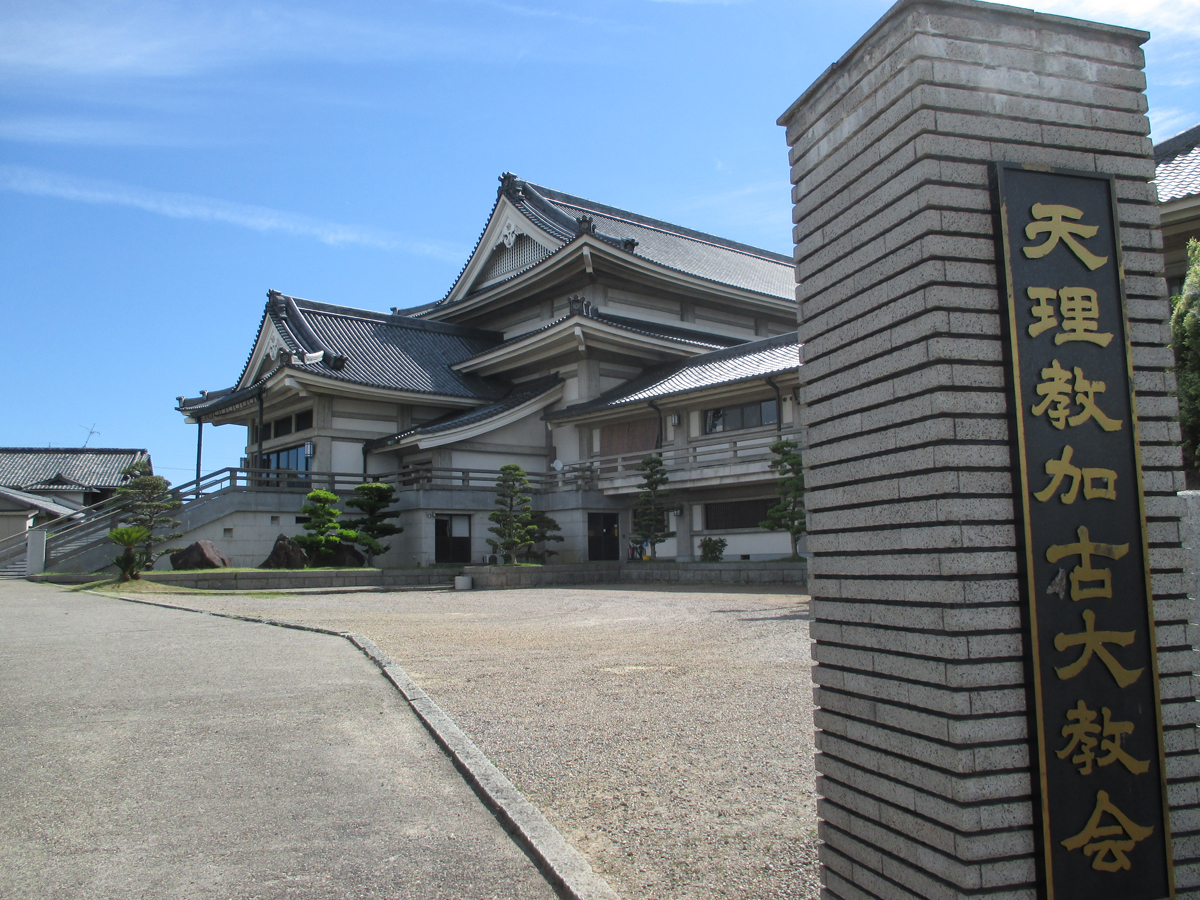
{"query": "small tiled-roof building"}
(576, 339)
(1177, 177)
(40, 483)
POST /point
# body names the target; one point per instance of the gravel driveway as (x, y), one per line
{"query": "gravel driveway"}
(667, 735)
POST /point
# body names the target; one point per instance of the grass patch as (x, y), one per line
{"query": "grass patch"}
(141, 586)
(253, 569)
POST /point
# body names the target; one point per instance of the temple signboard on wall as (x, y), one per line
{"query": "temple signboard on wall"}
(1098, 759)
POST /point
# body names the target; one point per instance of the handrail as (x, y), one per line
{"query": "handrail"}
(89, 526)
(733, 448)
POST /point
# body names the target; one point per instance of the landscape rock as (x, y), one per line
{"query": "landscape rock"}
(200, 555)
(346, 556)
(286, 554)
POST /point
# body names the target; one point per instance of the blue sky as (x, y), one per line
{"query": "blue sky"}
(162, 165)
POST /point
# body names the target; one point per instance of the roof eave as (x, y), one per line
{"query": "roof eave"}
(1172, 211)
(789, 377)
(466, 433)
(573, 256)
(574, 332)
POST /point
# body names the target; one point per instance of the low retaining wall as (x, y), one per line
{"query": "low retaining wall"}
(723, 573)
(294, 579)
(281, 579)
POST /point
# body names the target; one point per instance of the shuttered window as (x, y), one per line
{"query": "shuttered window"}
(634, 436)
(737, 514)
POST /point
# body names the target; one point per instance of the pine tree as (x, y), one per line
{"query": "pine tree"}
(543, 530)
(788, 514)
(149, 504)
(372, 499)
(512, 529)
(324, 532)
(650, 514)
(1185, 341)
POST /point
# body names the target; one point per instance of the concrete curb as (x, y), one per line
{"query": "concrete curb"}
(562, 865)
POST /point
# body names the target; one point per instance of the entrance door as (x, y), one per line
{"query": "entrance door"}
(452, 539)
(603, 537)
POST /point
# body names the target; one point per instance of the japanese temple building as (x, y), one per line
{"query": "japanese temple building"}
(577, 339)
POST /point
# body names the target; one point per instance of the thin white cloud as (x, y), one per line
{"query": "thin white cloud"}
(1167, 122)
(144, 38)
(1162, 18)
(88, 131)
(761, 212)
(41, 183)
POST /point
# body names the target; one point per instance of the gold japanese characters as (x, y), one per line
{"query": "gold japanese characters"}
(1092, 637)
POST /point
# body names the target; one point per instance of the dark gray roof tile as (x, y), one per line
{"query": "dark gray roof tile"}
(682, 249)
(1177, 166)
(361, 346)
(757, 359)
(66, 468)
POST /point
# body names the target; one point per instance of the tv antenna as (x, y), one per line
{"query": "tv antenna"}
(90, 432)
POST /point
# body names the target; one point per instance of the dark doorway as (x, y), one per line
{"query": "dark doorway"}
(452, 539)
(603, 536)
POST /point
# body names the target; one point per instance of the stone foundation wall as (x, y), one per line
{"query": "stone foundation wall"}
(793, 574)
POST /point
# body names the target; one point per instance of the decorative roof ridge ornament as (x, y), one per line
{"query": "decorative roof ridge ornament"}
(578, 305)
(512, 185)
(586, 225)
(509, 235)
(628, 245)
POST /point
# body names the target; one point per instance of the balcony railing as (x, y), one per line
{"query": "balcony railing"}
(736, 454)
(727, 455)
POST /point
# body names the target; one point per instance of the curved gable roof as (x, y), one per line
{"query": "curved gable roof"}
(563, 217)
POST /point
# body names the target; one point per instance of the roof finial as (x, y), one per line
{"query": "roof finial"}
(510, 184)
(587, 225)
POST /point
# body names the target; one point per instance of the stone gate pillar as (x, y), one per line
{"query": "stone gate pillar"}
(929, 767)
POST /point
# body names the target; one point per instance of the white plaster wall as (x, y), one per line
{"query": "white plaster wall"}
(759, 544)
(347, 456)
(12, 522)
(476, 459)
(529, 431)
(252, 539)
(566, 442)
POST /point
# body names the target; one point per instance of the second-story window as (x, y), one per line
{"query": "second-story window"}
(301, 421)
(735, 418)
(292, 459)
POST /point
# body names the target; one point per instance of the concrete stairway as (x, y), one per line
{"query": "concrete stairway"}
(14, 568)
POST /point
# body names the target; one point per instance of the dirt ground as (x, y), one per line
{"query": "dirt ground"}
(667, 735)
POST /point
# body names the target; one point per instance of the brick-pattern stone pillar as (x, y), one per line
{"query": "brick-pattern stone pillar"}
(924, 750)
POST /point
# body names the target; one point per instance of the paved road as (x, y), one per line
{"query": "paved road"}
(149, 753)
(668, 735)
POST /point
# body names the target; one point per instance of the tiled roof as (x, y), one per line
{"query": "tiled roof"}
(520, 394)
(36, 502)
(756, 359)
(396, 352)
(1177, 166)
(682, 249)
(360, 346)
(62, 468)
(704, 255)
(648, 329)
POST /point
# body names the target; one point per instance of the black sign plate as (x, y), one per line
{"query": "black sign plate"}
(1090, 625)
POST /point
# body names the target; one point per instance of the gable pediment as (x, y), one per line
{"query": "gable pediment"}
(511, 242)
(267, 347)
